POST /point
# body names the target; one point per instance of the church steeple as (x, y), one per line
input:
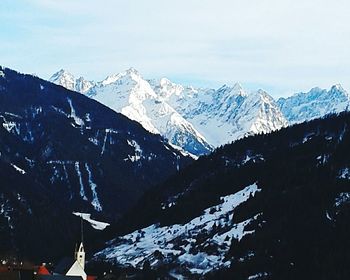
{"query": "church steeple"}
(79, 254)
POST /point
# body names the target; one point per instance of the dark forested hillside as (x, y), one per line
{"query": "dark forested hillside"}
(61, 152)
(296, 225)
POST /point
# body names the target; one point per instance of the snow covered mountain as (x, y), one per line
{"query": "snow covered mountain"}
(131, 95)
(223, 115)
(314, 104)
(193, 119)
(67, 80)
(197, 119)
(60, 152)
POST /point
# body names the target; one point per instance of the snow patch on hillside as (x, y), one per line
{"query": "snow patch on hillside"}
(342, 198)
(20, 170)
(344, 173)
(82, 191)
(138, 151)
(95, 224)
(95, 201)
(78, 121)
(11, 126)
(177, 243)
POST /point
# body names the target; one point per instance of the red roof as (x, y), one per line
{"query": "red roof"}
(43, 271)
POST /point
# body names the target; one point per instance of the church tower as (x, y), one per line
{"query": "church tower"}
(80, 255)
(78, 267)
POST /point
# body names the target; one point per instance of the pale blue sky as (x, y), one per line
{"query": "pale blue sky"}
(283, 46)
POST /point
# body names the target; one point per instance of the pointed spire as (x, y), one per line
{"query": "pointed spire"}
(79, 251)
(82, 230)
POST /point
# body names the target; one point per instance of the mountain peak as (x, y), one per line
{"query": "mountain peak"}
(237, 87)
(110, 79)
(61, 73)
(81, 79)
(67, 80)
(131, 73)
(132, 70)
(262, 92)
(337, 87)
(314, 89)
(165, 81)
(63, 78)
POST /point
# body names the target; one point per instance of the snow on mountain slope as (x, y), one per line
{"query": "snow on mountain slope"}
(199, 245)
(67, 80)
(223, 115)
(191, 118)
(314, 104)
(261, 112)
(125, 93)
(131, 95)
(197, 119)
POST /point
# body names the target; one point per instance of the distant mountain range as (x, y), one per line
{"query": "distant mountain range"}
(198, 120)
